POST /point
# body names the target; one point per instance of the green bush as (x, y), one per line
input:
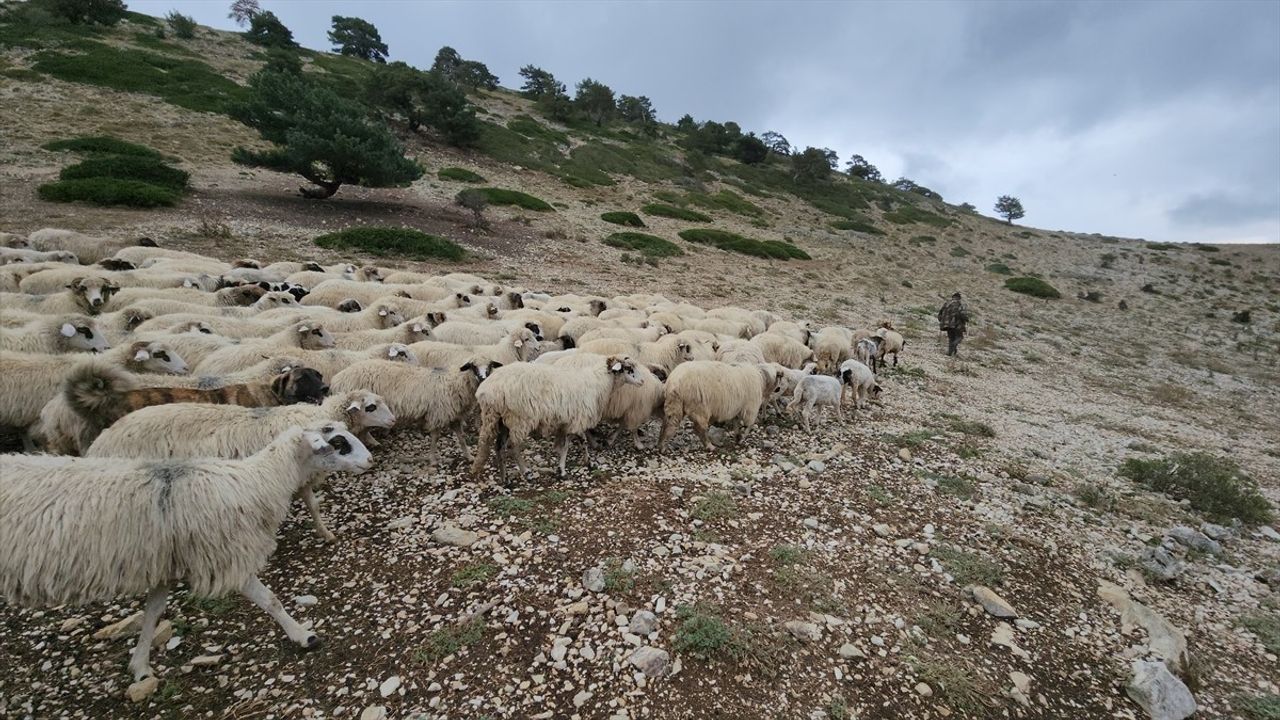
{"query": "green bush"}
(648, 245)
(499, 196)
(623, 218)
(108, 191)
(1034, 287)
(1213, 485)
(676, 213)
(400, 242)
(183, 26)
(128, 167)
(736, 243)
(999, 268)
(101, 145)
(459, 174)
(531, 128)
(864, 226)
(907, 214)
(88, 12)
(724, 200)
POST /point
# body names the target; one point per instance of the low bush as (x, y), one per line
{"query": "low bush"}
(101, 145)
(1034, 287)
(736, 243)
(499, 196)
(183, 26)
(1213, 485)
(459, 174)
(724, 200)
(647, 245)
(629, 219)
(864, 226)
(908, 214)
(399, 242)
(128, 167)
(675, 213)
(999, 268)
(109, 191)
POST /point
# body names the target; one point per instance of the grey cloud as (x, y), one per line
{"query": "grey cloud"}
(1219, 209)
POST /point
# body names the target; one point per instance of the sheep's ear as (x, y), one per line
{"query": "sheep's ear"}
(382, 312)
(142, 355)
(615, 365)
(418, 327)
(278, 385)
(518, 343)
(469, 367)
(494, 366)
(353, 408)
(67, 330)
(317, 443)
(75, 284)
(304, 328)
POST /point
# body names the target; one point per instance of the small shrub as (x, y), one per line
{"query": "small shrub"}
(88, 12)
(473, 574)
(1032, 286)
(940, 618)
(383, 242)
(701, 632)
(128, 167)
(1214, 485)
(647, 245)
(1244, 317)
(1150, 289)
(1219, 261)
(785, 555)
(958, 251)
(183, 26)
(971, 427)
(999, 268)
(459, 174)
(863, 226)
(499, 196)
(956, 486)
(1259, 707)
(675, 213)
(1094, 495)
(714, 506)
(101, 145)
(109, 191)
(954, 684)
(736, 243)
(1092, 296)
(908, 214)
(447, 641)
(968, 568)
(629, 219)
(1266, 627)
(617, 577)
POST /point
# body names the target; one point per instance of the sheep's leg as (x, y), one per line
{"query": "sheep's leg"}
(562, 446)
(700, 428)
(668, 429)
(517, 450)
(586, 454)
(462, 441)
(313, 505)
(140, 660)
(613, 436)
(366, 436)
(261, 595)
(635, 438)
(435, 449)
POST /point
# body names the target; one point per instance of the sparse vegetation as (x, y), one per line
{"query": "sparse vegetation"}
(622, 217)
(1032, 286)
(1214, 485)
(448, 641)
(392, 242)
(647, 245)
(704, 634)
(1267, 627)
(618, 576)
(473, 574)
(908, 214)
(736, 243)
(999, 268)
(971, 427)
(952, 682)
(859, 225)
(499, 196)
(459, 174)
(675, 213)
(968, 568)
(1259, 707)
(715, 505)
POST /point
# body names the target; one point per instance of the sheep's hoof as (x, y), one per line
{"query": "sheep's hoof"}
(311, 643)
(329, 537)
(142, 673)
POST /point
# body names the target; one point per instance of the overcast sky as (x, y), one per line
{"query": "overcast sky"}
(1152, 120)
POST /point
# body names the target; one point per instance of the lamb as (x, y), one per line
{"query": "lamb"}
(754, 325)
(814, 390)
(668, 352)
(88, 295)
(867, 351)
(56, 334)
(891, 343)
(781, 349)
(88, 249)
(433, 399)
(631, 335)
(831, 347)
(304, 335)
(519, 346)
(859, 380)
(79, 530)
(28, 381)
(565, 399)
(23, 255)
(192, 343)
(669, 321)
(709, 391)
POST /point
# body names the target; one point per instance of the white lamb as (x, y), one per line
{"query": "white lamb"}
(79, 530)
(816, 390)
(858, 379)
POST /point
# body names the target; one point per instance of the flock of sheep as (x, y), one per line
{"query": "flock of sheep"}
(172, 405)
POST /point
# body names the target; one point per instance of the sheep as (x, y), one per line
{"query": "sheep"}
(88, 295)
(519, 345)
(410, 332)
(859, 380)
(191, 343)
(831, 347)
(891, 343)
(211, 323)
(720, 326)
(754, 325)
(867, 351)
(23, 255)
(380, 315)
(238, 296)
(782, 349)
(740, 352)
(631, 406)
(331, 361)
(88, 249)
(148, 255)
(29, 380)
(814, 390)
(800, 332)
(565, 399)
(303, 335)
(331, 291)
(56, 334)
(79, 530)
(17, 242)
(466, 333)
(121, 325)
(670, 321)
(709, 391)
(550, 324)
(631, 335)
(669, 351)
(575, 328)
(434, 400)
(47, 279)
(609, 346)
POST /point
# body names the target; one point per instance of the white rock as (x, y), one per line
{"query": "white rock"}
(125, 627)
(993, 603)
(643, 622)
(849, 650)
(882, 530)
(803, 631)
(581, 698)
(593, 579)
(141, 690)
(1159, 692)
(205, 660)
(374, 712)
(923, 690)
(305, 600)
(651, 661)
(401, 523)
(450, 535)
(811, 523)
(389, 686)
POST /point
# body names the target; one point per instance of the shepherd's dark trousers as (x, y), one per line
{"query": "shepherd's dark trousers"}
(954, 337)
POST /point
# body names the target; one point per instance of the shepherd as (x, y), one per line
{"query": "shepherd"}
(952, 318)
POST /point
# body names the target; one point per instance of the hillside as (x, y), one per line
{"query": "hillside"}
(998, 468)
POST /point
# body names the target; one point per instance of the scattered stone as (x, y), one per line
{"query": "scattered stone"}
(1195, 540)
(1021, 688)
(1159, 692)
(374, 712)
(205, 660)
(581, 698)
(389, 686)
(850, 651)
(882, 530)
(816, 466)
(643, 623)
(1166, 641)
(923, 690)
(803, 631)
(70, 624)
(123, 628)
(450, 535)
(1003, 635)
(1160, 564)
(401, 523)
(811, 523)
(305, 600)
(1269, 533)
(1217, 532)
(905, 454)
(992, 603)
(651, 661)
(164, 634)
(142, 689)
(593, 579)
(677, 491)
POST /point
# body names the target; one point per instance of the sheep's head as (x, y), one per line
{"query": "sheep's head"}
(367, 410)
(491, 310)
(598, 306)
(92, 293)
(875, 391)
(389, 315)
(332, 448)
(64, 256)
(524, 341)
(685, 350)
(369, 273)
(312, 266)
(350, 305)
(17, 242)
(435, 318)
(313, 337)
(624, 368)
(155, 357)
(80, 334)
(515, 300)
(300, 385)
(297, 291)
(116, 264)
(399, 352)
(480, 368)
(886, 324)
(133, 317)
(195, 326)
(659, 372)
(247, 263)
(462, 299)
(536, 329)
(243, 296)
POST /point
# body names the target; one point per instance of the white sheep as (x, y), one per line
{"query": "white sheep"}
(867, 351)
(412, 331)
(56, 334)
(634, 336)
(24, 255)
(563, 400)
(79, 530)
(714, 392)
(859, 380)
(755, 325)
(479, 333)
(891, 343)
(304, 336)
(740, 352)
(378, 315)
(669, 351)
(519, 345)
(13, 240)
(88, 295)
(782, 349)
(800, 332)
(432, 399)
(88, 249)
(816, 390)
(831, 346)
